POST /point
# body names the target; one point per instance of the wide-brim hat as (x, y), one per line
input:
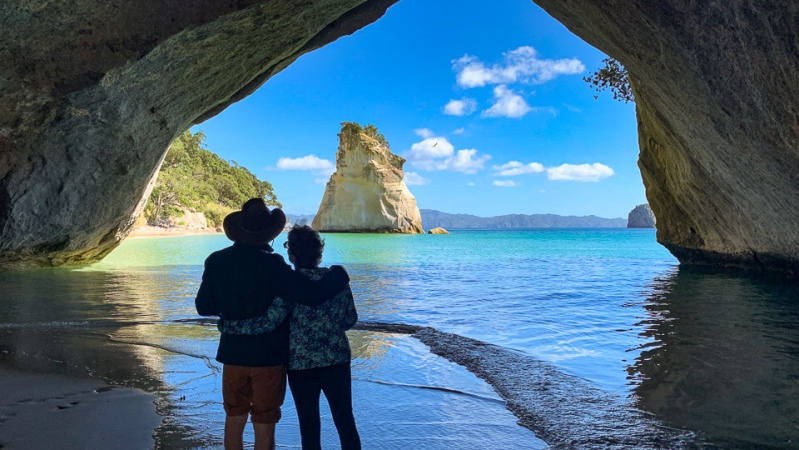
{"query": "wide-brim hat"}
(255, 224)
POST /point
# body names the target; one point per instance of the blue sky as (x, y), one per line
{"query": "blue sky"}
(484, 99)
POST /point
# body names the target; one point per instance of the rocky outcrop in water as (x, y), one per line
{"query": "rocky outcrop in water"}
(367, 194)
(92, 92)
(641, 217)
(437, 230)
(716, 87)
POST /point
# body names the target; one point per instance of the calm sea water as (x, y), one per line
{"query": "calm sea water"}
(712, 354)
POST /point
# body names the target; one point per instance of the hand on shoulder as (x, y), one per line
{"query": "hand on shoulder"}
(340, 270)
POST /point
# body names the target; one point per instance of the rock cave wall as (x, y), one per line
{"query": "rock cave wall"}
(93, 92)
(716, 86)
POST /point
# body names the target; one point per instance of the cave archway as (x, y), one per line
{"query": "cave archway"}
(83, 127)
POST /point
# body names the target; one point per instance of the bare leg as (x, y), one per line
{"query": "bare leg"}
(264, 436)
(234, 432)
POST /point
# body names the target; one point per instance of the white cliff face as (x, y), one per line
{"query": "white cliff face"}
(367, 194)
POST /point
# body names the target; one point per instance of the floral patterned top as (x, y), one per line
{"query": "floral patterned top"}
(317, 337)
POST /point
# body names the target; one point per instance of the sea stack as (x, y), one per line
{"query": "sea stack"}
(641, 217)
(366, 194)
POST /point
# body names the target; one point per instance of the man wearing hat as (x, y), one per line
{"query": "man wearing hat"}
(240, 282)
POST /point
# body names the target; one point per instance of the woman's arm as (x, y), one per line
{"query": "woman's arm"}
(350, 316)
(342, 311)
(275, 315)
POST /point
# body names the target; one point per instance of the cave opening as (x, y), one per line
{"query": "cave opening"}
(488, 106)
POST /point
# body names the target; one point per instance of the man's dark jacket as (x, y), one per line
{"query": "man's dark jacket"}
(240, 282)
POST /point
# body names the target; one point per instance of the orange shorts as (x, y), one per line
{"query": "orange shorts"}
(256, 390)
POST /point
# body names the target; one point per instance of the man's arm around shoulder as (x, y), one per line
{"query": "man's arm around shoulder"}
(296, 287)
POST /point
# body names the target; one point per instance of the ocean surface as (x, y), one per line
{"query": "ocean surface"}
(563, 338)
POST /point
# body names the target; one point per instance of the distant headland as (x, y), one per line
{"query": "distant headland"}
(437, 219)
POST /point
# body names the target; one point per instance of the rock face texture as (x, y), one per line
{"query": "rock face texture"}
(641, 217)
(367, 194)
(717, 89)
(92, 93)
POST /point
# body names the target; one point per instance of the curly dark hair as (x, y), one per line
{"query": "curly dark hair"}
(306, 245)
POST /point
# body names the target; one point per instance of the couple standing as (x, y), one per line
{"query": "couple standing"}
(274, 319)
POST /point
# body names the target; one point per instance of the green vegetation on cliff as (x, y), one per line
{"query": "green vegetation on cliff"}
(369, 130)
(612, 76)
(193, 178)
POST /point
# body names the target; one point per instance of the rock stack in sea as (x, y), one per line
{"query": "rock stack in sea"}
(641, 217)
(366, 193)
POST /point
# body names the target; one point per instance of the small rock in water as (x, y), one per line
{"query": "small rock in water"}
(438, 230)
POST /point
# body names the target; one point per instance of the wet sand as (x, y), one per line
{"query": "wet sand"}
(52, 393)
(49, 411)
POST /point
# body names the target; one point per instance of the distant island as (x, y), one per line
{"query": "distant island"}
(437, 219)
(641, 217)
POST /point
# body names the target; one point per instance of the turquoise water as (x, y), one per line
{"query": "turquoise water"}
(712, 354)
(562, 295)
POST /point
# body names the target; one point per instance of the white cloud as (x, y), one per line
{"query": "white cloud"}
(514, 168)
(471, 183)
(465, 161)
(579, 172)
(437, 153)
(430, 148)
(462, 107)
(310, 162)
(504, 183)
(459, 130)
(414, 179)
(424, 132)
(507, 104)
(520, 65)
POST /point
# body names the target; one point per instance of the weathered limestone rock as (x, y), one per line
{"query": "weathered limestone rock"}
(192, 220)
(717, 99)
(641, 217)
(437, 230)
(367, 194)
(92, 92)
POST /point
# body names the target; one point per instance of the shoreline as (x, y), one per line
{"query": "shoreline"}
(40, 410)
(148, 231)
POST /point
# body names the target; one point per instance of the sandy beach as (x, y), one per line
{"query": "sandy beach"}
(48, 411)
(148, 231)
